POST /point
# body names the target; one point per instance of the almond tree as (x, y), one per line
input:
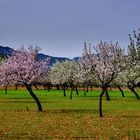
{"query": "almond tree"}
(4, 76)
(71, 70)
(120, 81)
(131, 76)
(133, 79)
(63, 73)
(106, 60)
(57, 75)
(85, 76)
(24, 68)
(133, 72)
(134, 46)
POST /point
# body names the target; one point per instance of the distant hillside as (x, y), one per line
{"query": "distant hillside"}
(7, 51)
(76, 58)
(53, 60)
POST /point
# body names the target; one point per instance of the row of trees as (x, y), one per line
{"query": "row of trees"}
(102, 65)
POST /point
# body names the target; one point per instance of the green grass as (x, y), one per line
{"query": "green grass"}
(63, 118)
(54, 99)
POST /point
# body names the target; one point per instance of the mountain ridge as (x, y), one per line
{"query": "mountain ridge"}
(7, 51)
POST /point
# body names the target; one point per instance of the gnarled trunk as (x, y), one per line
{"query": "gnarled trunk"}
(16, 86)
(48, 86)
(5, 88)
(133, 90)
(107, 95)
(44, 85)
(64, 90)
(29, 88)
(84, 90)
(91, 87)
(57, 86)
(87, 88)
(76, 90)
(100, 100)
(35, 85)
(72, 88)
(71, 93)
(119, 87)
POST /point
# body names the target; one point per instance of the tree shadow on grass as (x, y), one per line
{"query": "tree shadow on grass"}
(88, 96)
(23, 101)
(71, 111)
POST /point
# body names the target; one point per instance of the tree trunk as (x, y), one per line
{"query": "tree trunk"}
(136, 94)
(100, 101)
(44, 85)
(35, 86)
(133, 90)
(87, 89)
(48, 85)
(16, 86)
(48, 88)
(138, 84)
(110, 88)
(71, 93)
(72, 88)
(64, 89)
(84, 91)
(29, 88)
(107, 95)
(119, 87)
(91, 88)
(57, 86)
(76, 90)
(5, 88)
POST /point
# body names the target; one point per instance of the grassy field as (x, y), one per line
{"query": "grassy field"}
(63, 118)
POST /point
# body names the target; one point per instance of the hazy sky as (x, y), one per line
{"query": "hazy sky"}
(60, 27)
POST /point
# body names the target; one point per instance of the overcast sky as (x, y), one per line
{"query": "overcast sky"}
(60, 27)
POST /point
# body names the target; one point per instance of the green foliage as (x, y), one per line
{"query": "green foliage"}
(2, 57)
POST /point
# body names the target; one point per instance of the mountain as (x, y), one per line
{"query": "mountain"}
(53, 60)
(76, 58)
(7, 51)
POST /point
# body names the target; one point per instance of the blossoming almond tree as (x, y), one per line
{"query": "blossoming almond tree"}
(120, 81)
(106, 60)
(23, 67)
(133, 74)
(129, 78)
(85, 76)
(65, 72)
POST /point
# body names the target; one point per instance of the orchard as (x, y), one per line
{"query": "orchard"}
(103, 65)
